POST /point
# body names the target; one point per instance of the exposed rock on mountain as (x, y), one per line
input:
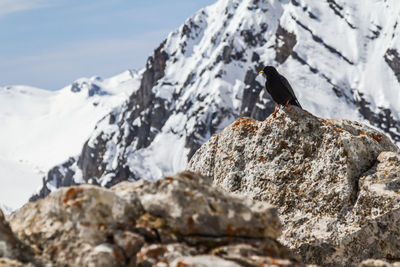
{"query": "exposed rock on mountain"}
(339, 56)
(336, 182)
(60, 176)
(178, 221)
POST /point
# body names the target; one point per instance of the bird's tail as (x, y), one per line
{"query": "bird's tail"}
(295, 102)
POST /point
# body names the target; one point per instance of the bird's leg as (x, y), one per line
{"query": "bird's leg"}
(276, 110)
(287, 103)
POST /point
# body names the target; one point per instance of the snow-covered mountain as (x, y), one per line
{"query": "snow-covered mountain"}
(40, 128)
(341, 57)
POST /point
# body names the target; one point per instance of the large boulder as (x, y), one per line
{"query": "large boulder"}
(175, 221)
(338, 201)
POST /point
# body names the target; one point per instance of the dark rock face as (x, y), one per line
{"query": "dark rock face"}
(383, 120)
(392, 58)
(155, 70)
(59, 176)
(142, 104)
(90, 160)
(89, 86)
(284, 43)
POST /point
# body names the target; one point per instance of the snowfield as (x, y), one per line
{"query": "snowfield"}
(43, 128)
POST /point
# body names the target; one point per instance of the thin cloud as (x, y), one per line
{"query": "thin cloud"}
(11, 6)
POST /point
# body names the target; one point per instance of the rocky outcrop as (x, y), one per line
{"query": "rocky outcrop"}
(383, 119)
(177, 221)
(284, 43)
(335, 182)
(392, 58)
(59, 176)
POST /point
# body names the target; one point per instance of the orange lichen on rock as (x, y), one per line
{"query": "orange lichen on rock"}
(361, 133)
(181, 264)
(245, 124)
(72, 193)
(377, 137)
(337, 129)
(323, 121)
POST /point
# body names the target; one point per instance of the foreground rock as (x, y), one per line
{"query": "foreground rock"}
(11, 247)
(178, 221)
(338, 194)
(378, 263)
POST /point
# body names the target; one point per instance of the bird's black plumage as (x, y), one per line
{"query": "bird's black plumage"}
(279, 88)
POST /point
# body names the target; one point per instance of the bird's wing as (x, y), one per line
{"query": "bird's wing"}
(287, 85)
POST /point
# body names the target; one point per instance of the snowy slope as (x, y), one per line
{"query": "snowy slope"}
(341, 57)
(42, 128)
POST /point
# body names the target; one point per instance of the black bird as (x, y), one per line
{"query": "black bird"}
(279, 88)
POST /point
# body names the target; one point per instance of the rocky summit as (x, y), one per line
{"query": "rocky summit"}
(335, 183)
(178, 221)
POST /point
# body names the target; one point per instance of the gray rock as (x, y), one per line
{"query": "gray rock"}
(203, 261)
(377, 263)
(148, 223)
(76, 226)
(209, 213)
(11, 247)
(253, 254)
(6, 262)
(318, 173)
(153, 254)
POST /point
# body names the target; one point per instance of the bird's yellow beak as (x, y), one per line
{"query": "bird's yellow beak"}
(260, 72)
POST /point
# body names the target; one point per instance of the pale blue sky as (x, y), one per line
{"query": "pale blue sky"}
(50, 43)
